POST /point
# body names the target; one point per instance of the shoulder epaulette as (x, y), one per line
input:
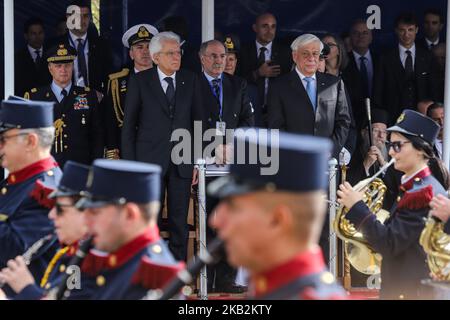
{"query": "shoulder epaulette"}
(40, 193)
(124, 72)
(154, 274)
(416, 199)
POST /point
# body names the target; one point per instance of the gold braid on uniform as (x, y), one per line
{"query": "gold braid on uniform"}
(59, 127)
(51, 265)
(115, 94)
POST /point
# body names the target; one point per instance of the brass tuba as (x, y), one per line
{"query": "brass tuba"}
(436, 244)
(359, 253)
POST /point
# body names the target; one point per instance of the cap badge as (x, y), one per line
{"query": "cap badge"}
(61, 51)
(229, 43)
(143, 32)
(401, 118)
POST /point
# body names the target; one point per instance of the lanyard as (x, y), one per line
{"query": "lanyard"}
(76, 46)
(220, 97)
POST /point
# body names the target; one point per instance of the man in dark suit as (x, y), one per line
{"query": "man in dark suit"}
(432, 26)
(264, 59)
(78, 121)
(94, 56)
(30, 66)
(359, 74)
(406, 74)
(159, 101)
(225, 106)
(309, 102)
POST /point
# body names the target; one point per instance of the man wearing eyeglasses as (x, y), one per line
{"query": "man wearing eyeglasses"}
(309, 102)
(226, 105)
(71, 230)
(159, 101)
(26, 137)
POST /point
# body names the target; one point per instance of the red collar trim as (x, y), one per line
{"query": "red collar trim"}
(303, 264)
(32, 170)
(417, 177)
(94, 263)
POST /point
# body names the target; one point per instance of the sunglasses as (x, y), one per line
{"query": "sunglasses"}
(396, 145)
(60, 208)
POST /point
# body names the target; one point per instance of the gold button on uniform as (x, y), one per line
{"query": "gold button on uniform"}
(4, 190)
(398, 198)
(62, 268)
(417, 179)
(112, 260)
(327, 278)
(50, 173)
(156, 248)
(47, 286)
(100, 281)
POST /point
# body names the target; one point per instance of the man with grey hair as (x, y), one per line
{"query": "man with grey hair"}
(159, 101)
(226, 105)
(26, 137)
(309, 102)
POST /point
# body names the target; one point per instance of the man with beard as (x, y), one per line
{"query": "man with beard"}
(367, 159)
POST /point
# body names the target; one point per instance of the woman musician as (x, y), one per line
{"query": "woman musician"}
(397, 240)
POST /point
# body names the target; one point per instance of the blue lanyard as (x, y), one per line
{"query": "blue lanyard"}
(220, 97)
(76, 47)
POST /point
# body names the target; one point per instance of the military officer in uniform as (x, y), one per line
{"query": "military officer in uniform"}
(271, 221)
(397, 240)
(70, 229)
(137, 40)
(130, 257)
(78, 123)
(26, 138)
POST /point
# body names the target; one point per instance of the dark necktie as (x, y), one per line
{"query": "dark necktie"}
(170, 94)
(364, 76)
(409, 65)
(82, 68)
(37, 60)
(262, 56)
(216, 87)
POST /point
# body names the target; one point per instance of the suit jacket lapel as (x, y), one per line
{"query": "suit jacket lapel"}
(155, 86)
(212, 110)
(226, 103)
(397, 63)
(297, 85)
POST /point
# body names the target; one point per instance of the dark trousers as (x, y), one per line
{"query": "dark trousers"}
(221, 275)
(178, 197)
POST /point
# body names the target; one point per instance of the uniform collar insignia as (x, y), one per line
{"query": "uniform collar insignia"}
(31, 170)
(94, 263)
(305, 263)
(417, 177)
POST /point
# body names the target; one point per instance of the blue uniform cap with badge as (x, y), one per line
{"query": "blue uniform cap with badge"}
(302, 164)
(73, 180)
(119, 182)
(137, 34)
(61, 53)
(25, 114)
(416, 124)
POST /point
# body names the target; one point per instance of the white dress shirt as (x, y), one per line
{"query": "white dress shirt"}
(33, 53)
(163, 82)
(74, 43)
(403, 54)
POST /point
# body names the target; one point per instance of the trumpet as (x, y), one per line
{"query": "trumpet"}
(360, 255)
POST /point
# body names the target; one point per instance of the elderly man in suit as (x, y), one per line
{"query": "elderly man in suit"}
(309, 102)
(159, 101)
